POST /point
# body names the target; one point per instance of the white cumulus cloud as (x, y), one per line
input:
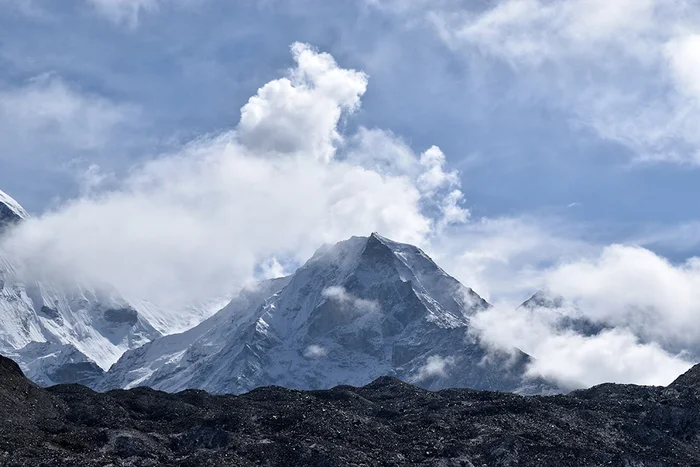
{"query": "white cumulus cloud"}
(434, 366)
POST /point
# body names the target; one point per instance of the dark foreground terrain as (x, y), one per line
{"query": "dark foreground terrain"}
(384, 423)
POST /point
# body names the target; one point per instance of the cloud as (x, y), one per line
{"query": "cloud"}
(300, 113)
(435, 176)
(271, 269)
(340, 295)
(574, 360)
(645, 308)
(626, 69)
(200, 221)
(124, 11)
(505, 258)
(633, 288)
(434, 366)
(385, 152)
(65, 117)
(683, 54)
(679, 238)
(315, 351)
(630, 315)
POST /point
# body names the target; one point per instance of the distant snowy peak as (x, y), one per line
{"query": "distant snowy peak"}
(10, 210)
(545, 299)
(563, 313)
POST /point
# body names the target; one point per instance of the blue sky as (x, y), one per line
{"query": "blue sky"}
(187, 67)
(523, 143)
(171, 71)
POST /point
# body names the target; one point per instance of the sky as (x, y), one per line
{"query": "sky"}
(524, 144)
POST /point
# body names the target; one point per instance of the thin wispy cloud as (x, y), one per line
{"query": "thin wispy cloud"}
(626, 69)
(63, 116)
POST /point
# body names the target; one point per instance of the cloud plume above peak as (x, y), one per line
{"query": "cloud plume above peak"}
(299, 114)
(194, 223)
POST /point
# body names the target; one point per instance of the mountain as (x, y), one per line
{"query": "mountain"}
(386, 423)
(363, 308)
(564, 315)
(10, 211)
(62, 332)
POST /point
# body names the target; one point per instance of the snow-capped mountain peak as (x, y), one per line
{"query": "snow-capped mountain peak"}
(57, 331)
(363, 308)
(561, 313)
(10, 210)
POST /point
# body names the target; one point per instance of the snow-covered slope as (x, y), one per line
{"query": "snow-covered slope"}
(49, 328)
(364, 308)
(10, 211)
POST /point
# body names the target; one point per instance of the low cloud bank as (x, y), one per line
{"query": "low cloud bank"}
(626, 315)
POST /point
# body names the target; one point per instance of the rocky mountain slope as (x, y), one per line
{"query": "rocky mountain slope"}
(386, 423)
(363, 308)
(62, 332)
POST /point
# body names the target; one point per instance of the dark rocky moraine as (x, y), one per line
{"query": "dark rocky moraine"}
(386, 423)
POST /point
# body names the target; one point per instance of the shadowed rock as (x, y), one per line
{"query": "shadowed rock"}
(387, 423)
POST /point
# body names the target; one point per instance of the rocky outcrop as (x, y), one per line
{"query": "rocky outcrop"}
(387, 422)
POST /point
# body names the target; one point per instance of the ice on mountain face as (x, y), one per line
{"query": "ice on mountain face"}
(172, 353)
(175, 319)
(363, 308)
(99, 325)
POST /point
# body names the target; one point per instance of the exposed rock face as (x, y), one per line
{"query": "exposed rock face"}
(125, 315)
(384, 423)
(364, 308)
